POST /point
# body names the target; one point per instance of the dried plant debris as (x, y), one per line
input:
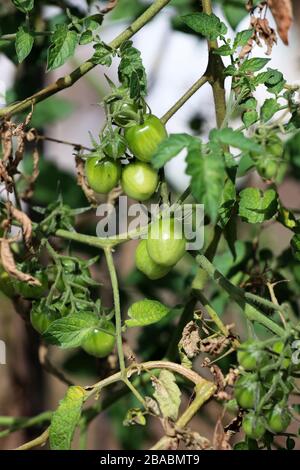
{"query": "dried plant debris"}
(109, 7)
(81, 181)
(8, 263)
(221, 437)
(23, 220)
(190, 341)
(282, 11)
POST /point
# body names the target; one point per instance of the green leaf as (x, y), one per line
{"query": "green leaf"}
(146, 312)
(86, 37)
(24, 43)
(172, 146)
(236, 139)
(253, 65)
(208, 175)
(268, 109)
(167, 394)
(235, 11)
(250, 117)
(295, 245)
(70, 331)
(227, 202)
(134, 416)
(224, 50)
(242, 38)
(63, 44)
(131, 68)
(65, 419)
(256, 206)
(209, 26)
(24, 5)
(102, 55)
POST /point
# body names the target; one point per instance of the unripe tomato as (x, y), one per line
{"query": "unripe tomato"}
(143, 139)
(99, 343)
(146, 264)
(278, 418)
(29, 291)
(165, 243)
(254, 426)
(271, 165)
(278, 348)
(139, 180)
(248, 391)
(250, 356)
(102, 174)
(41, 318)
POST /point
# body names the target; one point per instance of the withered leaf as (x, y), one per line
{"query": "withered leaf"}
(8, 263)
(282, 11)
(24, 220)
(81, 181)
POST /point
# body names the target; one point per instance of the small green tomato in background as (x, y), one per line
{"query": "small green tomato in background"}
(250, 356)
(253, 426)
(248, 391)
(279, 418)
(6, 283)
(102, 173)
(166, 243)
(29, 291)
(139, 181)
(41, 319)
(146, 264)
(278, 348)
(143, 139)
(99, 343)
(123, 112)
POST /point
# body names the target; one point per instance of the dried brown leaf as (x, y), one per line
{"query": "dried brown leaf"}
(27, 194)
(282, 11)
(81, 181)
(8, 263)
(24, 220)
(221, 438)
(190, 340)
(111, 5)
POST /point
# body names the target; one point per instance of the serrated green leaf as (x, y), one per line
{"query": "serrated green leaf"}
(229, 136)
(250, 117)
(65, 419)
(256, 206)
(208, 175)
(63, 44)
(146, 312)
(227, 202)
(234, 11)
(86, 37)
(253, 65)
(24, 5)
(242, 38)
(24, 43)
(209, 26)
(172, 146)
(102, 55)
(131, 67)
(167, 394)
(70, 331)
(224, 50)
(268, 109)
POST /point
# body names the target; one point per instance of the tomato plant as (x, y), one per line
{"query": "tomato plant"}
(155, 278)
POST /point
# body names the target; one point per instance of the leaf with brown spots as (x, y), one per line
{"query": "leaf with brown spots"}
(282, 11)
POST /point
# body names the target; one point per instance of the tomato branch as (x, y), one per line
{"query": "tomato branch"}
(69, 80)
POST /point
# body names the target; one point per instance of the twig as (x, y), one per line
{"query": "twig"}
(38, 441)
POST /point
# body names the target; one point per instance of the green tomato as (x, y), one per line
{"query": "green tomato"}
(271, 165)
(99, 343)
(41, 318)
(278, 419)
(278, 348)
(165, 244)
(250, 356)
(146, 264)
(248, 391)
(102, 174)
(139, 180)
(253, 426)
(29, 291)
(6, 283)
(143, 139)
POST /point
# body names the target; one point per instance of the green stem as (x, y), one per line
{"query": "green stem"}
(73, 77)
(14, 424)
(212, 313)
(118, 318)
(12, 37)
(242, 298)
(190, 92)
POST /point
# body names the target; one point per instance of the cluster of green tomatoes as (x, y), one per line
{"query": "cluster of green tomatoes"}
(128, 126)
(264, 386)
